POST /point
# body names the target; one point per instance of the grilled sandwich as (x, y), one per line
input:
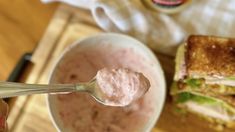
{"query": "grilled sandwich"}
(204, 82)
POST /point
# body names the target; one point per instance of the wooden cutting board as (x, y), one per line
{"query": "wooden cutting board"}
(30, 114)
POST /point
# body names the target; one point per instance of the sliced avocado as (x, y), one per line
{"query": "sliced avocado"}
(230, 78)
(203, 100)
(186, 96)
(194, 83)
(198, 85)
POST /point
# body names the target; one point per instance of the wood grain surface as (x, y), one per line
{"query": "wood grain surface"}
(22, 24)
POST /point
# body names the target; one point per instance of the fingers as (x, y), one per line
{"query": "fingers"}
(3, 115)
(3, 108)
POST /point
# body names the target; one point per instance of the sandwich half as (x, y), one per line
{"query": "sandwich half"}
(204, 81)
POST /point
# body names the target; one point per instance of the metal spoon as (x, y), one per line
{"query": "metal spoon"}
(10, 89)
(107, 87)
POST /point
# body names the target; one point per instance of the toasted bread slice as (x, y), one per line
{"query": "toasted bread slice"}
(210, 56)
(230, 99)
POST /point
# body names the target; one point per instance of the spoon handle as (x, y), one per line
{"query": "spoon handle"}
(9, 89)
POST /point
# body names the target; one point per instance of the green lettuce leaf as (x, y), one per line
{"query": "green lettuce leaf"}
(186, 96)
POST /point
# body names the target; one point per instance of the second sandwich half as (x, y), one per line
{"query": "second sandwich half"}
(204, 82)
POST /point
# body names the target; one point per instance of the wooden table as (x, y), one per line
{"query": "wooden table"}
(70, 24)
(22, 24)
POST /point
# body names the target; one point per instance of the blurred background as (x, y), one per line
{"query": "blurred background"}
(22, 24)
(29, 26)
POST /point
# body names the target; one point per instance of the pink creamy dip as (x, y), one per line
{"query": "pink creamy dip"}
(119, 87)
(79, 112)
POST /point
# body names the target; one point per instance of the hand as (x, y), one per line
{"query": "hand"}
(3, 115)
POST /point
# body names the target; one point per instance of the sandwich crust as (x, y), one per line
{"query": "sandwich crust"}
(210, 56)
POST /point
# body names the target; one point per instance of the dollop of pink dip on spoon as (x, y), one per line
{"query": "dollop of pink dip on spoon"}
(120, 87)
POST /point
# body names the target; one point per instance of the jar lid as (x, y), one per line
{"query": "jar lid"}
(167, 6)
